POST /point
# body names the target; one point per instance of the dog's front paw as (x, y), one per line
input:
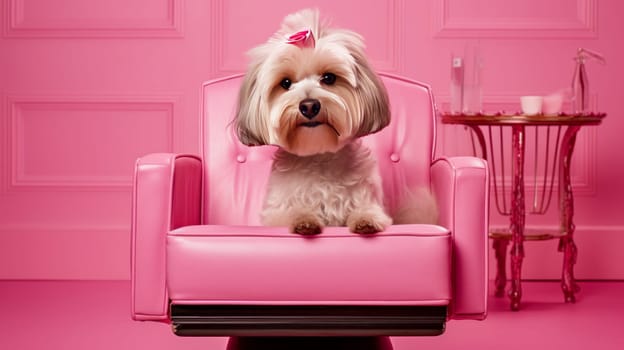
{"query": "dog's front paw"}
(306, 225)
(365, 227)
(368, 223)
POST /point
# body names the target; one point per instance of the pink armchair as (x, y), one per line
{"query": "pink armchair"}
(201, 260)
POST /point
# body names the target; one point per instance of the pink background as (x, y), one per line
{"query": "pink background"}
(86, 86)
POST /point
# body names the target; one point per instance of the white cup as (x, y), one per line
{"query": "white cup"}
(531, 105)
(551, 105)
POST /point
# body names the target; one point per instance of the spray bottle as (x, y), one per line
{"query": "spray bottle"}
(580, 85)
(457, 84)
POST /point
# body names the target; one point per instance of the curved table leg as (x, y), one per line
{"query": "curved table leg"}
(517, 216)
(566, 208)
(500, 250)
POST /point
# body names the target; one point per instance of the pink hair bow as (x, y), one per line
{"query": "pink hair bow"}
(304, 38)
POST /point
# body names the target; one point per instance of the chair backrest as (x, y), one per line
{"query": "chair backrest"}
(236, 176)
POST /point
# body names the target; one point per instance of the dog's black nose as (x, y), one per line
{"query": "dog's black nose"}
(310, 108)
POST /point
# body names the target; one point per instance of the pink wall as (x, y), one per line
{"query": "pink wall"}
(86, 86)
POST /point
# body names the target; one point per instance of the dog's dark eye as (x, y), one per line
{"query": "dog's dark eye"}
(328, 78)
(285, 83)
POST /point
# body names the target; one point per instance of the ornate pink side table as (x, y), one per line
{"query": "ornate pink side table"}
(556, 161)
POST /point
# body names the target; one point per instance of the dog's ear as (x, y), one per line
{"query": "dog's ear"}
(248, 121)
(373, 99)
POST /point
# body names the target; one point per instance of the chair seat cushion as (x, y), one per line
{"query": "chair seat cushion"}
(404, 265)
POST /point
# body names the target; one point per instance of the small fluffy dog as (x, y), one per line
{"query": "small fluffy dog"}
(311, 91)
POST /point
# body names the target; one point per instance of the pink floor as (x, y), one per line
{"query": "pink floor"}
(95, 315)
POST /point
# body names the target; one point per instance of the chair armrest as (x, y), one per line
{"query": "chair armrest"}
(166, 195)
(461, 188)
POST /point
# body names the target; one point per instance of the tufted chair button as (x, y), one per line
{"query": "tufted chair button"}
(395, 157)
(241, 158)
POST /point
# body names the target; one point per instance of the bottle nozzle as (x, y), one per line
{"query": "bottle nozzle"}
(583, 54)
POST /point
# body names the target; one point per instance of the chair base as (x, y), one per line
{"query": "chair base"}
(307, 320)
(309, 343)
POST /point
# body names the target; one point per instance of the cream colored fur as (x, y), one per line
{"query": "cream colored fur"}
(329, 189)
(322, 174)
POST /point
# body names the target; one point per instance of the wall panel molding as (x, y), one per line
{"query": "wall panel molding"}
(224, 63)
(581, 24)
(76, 19)
(53, 253)
(78, 143)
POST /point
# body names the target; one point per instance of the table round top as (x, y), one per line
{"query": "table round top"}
(520, 119)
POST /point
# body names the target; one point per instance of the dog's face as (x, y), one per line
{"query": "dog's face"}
(310, 90)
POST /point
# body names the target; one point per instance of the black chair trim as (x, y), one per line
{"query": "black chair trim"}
(307, 320)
